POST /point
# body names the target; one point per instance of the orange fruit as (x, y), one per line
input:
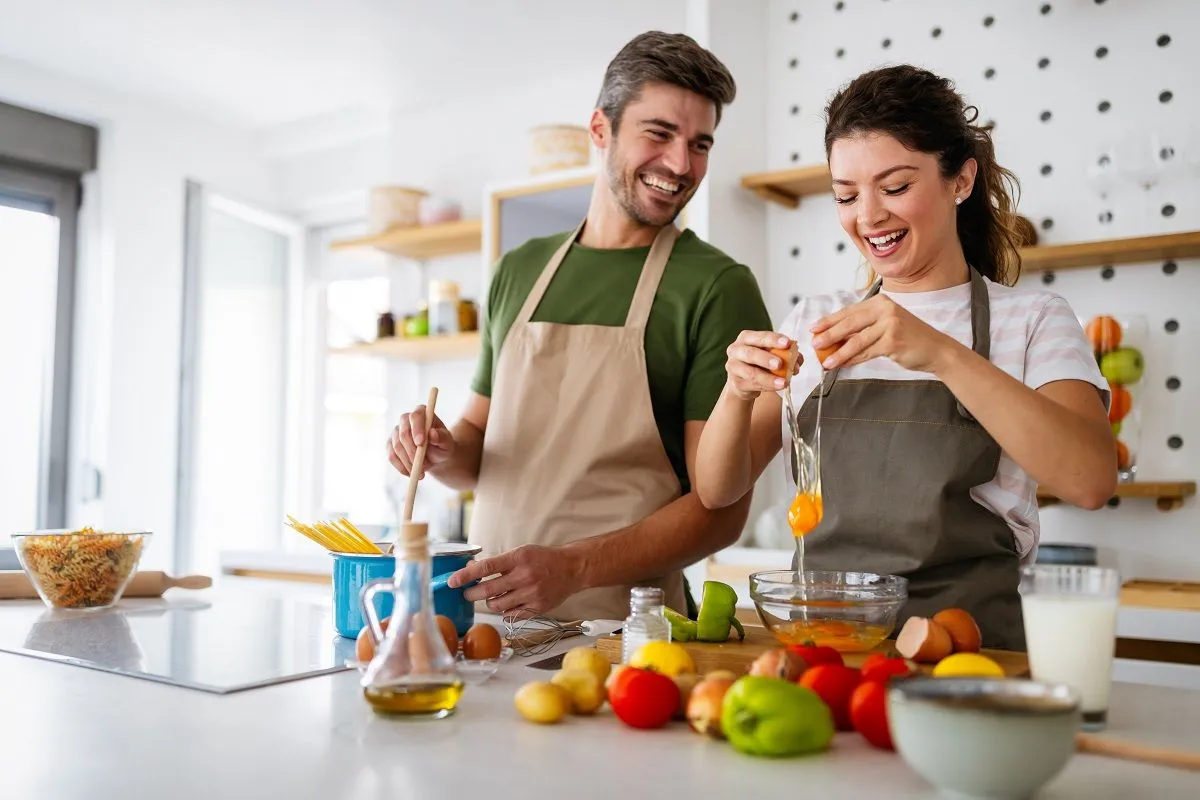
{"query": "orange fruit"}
(786, 355)
(805, 513)
(1121, 404)
(1104, 333)
(1122, 455)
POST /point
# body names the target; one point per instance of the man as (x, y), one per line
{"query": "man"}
(603, 353)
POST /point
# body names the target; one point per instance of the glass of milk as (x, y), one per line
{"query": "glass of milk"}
(1070, 631)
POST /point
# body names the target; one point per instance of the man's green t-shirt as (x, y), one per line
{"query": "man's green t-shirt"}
(705, 299)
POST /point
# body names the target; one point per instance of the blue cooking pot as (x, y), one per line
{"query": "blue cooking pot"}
(353, 571)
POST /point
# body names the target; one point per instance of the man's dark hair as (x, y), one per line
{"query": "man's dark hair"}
(672, 58)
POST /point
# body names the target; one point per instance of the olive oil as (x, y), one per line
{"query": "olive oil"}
(432, 700)
(413, 673)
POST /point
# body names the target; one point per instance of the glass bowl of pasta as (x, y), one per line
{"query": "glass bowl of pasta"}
(81, 568)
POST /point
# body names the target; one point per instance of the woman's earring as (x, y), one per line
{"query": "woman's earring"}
(958, 201)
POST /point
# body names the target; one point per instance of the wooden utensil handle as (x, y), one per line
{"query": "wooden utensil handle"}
(1132, 751)
(419, 459)
(191, 582)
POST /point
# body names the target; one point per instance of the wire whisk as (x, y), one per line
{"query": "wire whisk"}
(531, 633)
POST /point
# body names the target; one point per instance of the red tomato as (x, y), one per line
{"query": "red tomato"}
(834, 684)
(817, 654)
(868, 712)
(642, 698)
(881, 669)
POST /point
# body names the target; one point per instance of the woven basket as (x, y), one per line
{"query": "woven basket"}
(555, 147)
(390, 207)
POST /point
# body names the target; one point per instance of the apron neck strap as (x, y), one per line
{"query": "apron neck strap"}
(981, 329)
(647, 287)
(543, 281)
(652, 272)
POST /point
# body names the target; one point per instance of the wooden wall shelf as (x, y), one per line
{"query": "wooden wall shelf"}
(787, 186)
(417, 348)
(421, 242)
(1168, 495)
(1109, 252)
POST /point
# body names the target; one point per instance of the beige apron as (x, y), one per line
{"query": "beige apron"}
(571, 448)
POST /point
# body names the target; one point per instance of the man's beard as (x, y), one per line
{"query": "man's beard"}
(626, 194)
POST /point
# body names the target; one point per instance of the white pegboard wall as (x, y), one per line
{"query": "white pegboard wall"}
(1065, 83)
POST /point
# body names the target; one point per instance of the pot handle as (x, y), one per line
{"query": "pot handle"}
(439, 582)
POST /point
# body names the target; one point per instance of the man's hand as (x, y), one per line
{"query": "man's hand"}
(407, 437)
(531, 577)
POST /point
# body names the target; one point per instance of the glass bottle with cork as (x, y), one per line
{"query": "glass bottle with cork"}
(413, 673)
(647, 620)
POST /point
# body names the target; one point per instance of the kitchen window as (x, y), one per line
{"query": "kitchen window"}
(42, 161)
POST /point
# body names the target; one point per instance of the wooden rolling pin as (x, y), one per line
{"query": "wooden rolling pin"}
(15, 585)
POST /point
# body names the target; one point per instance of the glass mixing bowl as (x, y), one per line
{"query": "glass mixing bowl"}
(848, 611)
(79, 568)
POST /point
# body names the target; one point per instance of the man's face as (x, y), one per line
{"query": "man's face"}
(658, 157)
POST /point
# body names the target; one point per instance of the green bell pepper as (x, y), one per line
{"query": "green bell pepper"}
(764, 716)
(717, 609)
(682, 628)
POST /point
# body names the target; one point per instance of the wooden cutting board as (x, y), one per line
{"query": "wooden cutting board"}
(15, 585)
(738, 656)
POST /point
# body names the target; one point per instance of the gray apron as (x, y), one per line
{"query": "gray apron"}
(899, 459)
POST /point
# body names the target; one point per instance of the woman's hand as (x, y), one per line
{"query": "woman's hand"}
(879, 327)
(757, 362)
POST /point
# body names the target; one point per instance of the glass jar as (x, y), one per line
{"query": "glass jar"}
(647, 621)
(443, 308)
(1119, 342)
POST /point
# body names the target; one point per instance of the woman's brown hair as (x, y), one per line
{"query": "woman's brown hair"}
(925, 113)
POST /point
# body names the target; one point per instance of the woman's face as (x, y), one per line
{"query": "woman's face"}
(896, 206)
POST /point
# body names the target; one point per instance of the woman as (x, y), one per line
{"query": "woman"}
(951, 395)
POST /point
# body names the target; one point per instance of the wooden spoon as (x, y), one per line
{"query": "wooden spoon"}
(1133, 751)
(418, 463)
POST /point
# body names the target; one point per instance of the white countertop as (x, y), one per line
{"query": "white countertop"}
(73, 732)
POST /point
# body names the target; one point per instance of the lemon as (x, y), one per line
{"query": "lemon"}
(967, 665)
(669, 658)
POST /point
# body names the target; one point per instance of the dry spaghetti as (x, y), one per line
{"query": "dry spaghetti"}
(80, 569)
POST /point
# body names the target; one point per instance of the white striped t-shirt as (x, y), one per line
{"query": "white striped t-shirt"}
(1036, 338)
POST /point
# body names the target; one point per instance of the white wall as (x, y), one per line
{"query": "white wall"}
(130, 279)
(1142, 541)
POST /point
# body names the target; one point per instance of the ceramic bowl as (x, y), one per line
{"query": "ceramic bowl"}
(848, 611)
(984, 737)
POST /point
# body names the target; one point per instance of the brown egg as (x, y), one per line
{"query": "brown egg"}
(449, 634)
(963, 630)
(923, 641)
(482, 641)
(364, 645)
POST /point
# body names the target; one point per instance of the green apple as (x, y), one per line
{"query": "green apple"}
(417, 326)
(1123, 365)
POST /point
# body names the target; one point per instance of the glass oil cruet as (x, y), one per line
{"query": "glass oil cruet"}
(413, 673)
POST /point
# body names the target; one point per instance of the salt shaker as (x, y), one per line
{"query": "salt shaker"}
(647, 621)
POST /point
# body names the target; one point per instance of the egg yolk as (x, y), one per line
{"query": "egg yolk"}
(805, 513)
